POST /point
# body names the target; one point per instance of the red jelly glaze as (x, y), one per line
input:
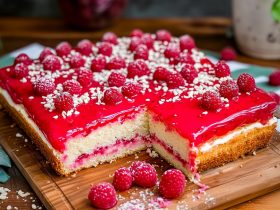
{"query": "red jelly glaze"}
(182, 116)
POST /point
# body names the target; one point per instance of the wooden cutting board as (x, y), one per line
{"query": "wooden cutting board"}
(231, 184)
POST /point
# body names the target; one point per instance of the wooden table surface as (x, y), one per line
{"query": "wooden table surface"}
(209, 33)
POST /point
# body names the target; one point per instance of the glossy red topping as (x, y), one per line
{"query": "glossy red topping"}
(98, 63)
(103, 196)
(228, 54)
(63, 102)
(77, 61)
(274, 78)
(186, 42)
(145, 175)
(229, 89)
(85, 77)
(137, 68)
(116, 79)
(52, 63)
(20, 70)
(172, 184)
(136, 33)
(112, 97)
(222, 69)
(122, 179)
(43, 86)
(105, 48)
(116, 63)
(63, 49)
(246, 82)
(211, 101)
(85, 47)
(131, 90)
(189, 73)
(72, 87)
(163, 35)
(141, 52)
(110, 37)
(23, 58)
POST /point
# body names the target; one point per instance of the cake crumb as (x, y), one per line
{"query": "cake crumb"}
(152, 153)
(4, 193)
(18, 135)
(23, 194)
(9, 207)
(254, 153)
(33, 206)
(136, 156)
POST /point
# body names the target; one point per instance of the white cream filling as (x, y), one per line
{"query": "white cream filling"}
(209, 145)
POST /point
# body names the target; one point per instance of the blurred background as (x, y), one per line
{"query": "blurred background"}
(134, 9)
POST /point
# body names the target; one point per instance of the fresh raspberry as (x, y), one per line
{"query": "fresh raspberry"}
(206, 61)
(145, 175)
(20, 70)
(172, 51)
(77, 61)
(72, 87)
(63, 49)
(23, 58)
(141, 52)
(274, 78)
(52, 63)
(116, 63)
(131, 90)
(116, 79)
(186, 42)
(229, 89)
(148, 40)
(122, 179)
(161, 74)
(137, 68)
(103, 196)
(189, 73)
(222, 69)
(98, 64)
(172, 184)
(275, 96)
(246, 83)
(112, 97)
(175, 80)
(43, 86)
(228, 54)
(105, 48)
(63, 102)
(134, 166)
(110, 37)
(211, 101)
(163, 35)
(85, 77)
(84, 47)
(47, 51)
(186, 58)
(134, 43)
(136, 33)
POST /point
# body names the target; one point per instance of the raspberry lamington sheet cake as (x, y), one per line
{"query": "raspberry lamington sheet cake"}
(96, 102)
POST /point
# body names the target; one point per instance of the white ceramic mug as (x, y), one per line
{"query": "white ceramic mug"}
(257, 34)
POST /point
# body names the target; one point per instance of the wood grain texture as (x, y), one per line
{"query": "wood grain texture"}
(229, 185)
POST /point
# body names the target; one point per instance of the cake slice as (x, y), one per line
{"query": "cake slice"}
(94, 103)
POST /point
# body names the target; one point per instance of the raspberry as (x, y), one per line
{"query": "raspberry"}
(141, 52)
(136, 33)
(134, 166)
(148, 40)
(63, 49)
(103, 196)
(134, 43)
(228, 54)
(84, 47)
(23, 58)
(131, 90)
(206, 61)
(189, 73)
(274, 78)
(172, 184)
(47, 51)
(211, 101)
(110, 37)
(63, 102)
(77, 61)
(43, 86)
(163, 35)
(72, 86)
(175, 80)
(105, 48)
(85, 77)
(20, 70)
(112, 97)
(116, 79)
(98, 64)
(186, 42)
(116, 63)
(276, 97)
(229, 89)
(161, 74)
(137, 68)
(246, 83)
(172, 51)
(122, 179)
(145, 175)
(52, 63)
(186, 58)
(222, 69)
